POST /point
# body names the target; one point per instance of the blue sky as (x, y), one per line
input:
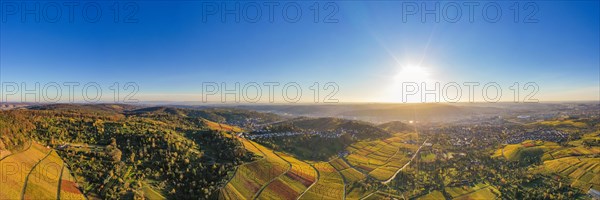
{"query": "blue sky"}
(170, 51)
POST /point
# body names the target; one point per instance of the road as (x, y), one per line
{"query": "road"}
(402, 168)
(415, 155)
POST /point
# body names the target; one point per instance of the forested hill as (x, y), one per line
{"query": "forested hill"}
(396, 126)
(122, 151)
(361, 130)
(233, 116)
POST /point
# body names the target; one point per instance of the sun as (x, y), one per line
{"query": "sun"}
(413, 74)
(407, 74)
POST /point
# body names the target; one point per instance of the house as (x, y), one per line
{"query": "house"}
(594, 194)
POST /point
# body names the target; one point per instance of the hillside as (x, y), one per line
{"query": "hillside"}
(117, 151)
(36, 172)
(396, 127)
(232, 116)
(575, 162)
(360, 130)
(316, 138)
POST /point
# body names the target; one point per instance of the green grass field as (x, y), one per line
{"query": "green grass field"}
(515, 152)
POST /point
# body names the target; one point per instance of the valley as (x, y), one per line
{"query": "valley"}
(110, 151)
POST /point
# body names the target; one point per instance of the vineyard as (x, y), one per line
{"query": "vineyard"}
(36, 172)
(583, 172)
(291, 184)
(380, 158)
(251, 177)
(479, 191)
(329, 186)
(278, 175)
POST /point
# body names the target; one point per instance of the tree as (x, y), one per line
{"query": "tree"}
(116, 155)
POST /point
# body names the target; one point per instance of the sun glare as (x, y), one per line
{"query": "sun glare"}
(413, 74)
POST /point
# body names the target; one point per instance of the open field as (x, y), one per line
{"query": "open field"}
(515, 152)
(221, 127)
(563, 123)
(329, 186)
(432, 196)
(485, 193)
(152, 194)
(479, 191)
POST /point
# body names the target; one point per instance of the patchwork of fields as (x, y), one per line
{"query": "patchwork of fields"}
(37, 172)
(278, 175)
(291, 184)
(381, 158)
(572, 162)
(514, 152)
(479, 191)
(250, 178)
(583, 172)
(329, 186)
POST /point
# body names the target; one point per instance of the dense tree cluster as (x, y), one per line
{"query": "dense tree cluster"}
(114, 154)
(15, 127)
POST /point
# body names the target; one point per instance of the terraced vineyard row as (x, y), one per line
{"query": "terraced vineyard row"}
(278, 175)
(329, 186)
(250, 178)
(36, 173)
(381, 158)
(291, 184)
(584, 172)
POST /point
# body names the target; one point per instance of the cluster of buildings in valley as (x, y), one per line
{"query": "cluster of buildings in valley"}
(539, 134)
(474, 136)
(9, 106)
(485, 135)
(251, 122)
(267, 134)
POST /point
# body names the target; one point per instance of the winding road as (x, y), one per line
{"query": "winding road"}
(415, 155)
